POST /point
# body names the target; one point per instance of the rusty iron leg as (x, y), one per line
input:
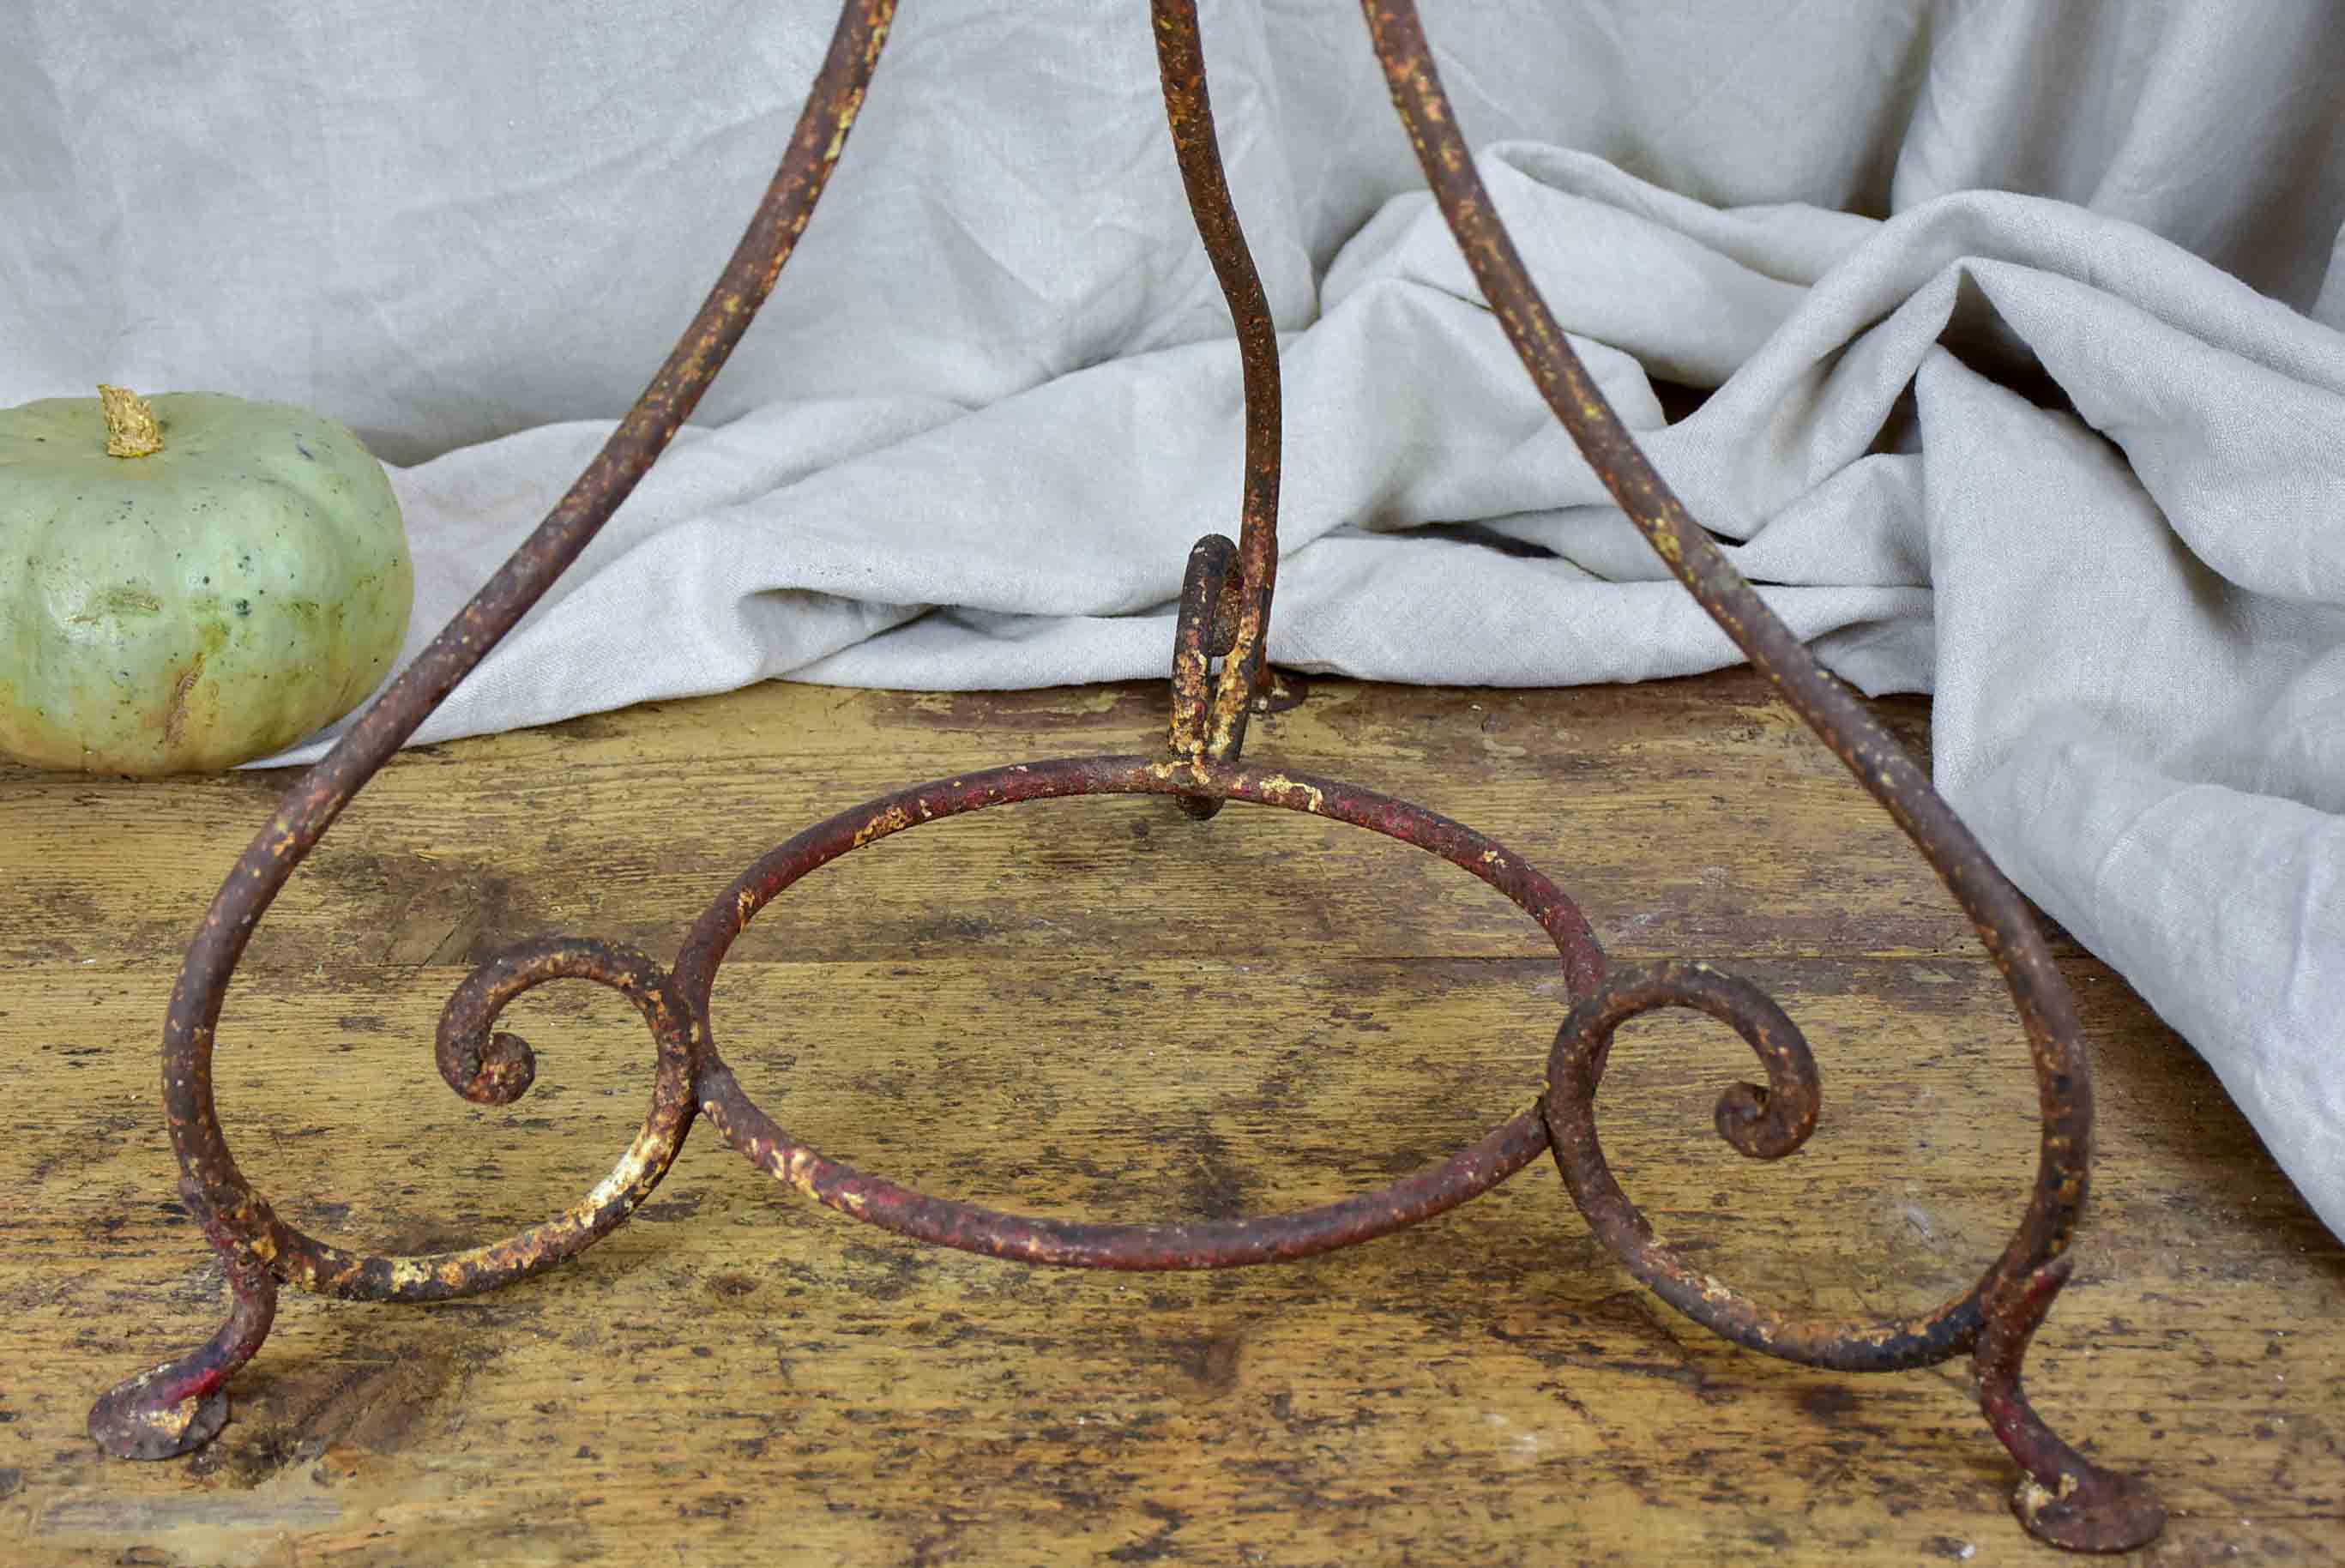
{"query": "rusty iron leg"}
(2005, 928)
(181, 1405)
(219, 1191)
(2063, 1497)
(176, 1408)
(1226, 595)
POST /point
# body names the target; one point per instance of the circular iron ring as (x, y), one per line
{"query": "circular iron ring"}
(1211, 1244)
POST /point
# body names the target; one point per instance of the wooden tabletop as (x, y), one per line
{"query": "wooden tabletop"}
(1098, 1008)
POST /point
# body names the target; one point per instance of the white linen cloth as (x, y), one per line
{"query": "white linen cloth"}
(2021, 320)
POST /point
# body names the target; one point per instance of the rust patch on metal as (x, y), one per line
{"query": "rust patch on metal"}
(179, 1406)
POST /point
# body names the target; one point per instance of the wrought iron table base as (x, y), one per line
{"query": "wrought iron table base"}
(1218, 677)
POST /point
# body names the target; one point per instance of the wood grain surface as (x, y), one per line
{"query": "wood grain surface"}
(1098, 1008)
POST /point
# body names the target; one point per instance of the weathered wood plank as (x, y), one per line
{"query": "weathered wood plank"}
(738, 1376)
(1681, 826)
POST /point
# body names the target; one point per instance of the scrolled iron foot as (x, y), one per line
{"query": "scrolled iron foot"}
(2063, 1498)
(181, 1405)
(177, 1408)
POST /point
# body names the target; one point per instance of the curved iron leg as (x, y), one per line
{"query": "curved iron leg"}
(2063, 1497)
(177, 1400)
(179, 1406)
(2006, 927)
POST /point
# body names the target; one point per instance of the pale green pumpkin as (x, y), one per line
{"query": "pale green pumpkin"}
(237, 578)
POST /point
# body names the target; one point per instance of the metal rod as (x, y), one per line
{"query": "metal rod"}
(1188, 112)
(1229, 599)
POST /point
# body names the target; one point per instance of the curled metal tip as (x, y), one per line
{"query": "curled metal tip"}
(2063, 1498)
(497, 1070)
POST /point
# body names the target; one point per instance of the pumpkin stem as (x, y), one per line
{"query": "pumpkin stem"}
(130, 427)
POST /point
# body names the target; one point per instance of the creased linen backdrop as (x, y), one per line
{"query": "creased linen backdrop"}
(2020, 321)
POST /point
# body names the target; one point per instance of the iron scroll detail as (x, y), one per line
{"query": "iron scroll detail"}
(1219, 677)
